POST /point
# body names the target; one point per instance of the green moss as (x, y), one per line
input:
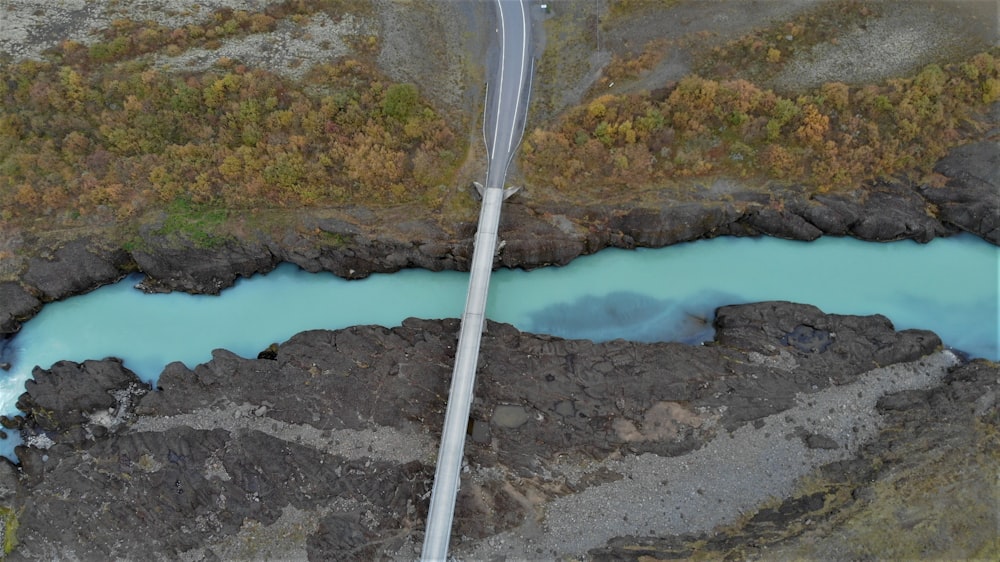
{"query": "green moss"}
(132, 244)
(335, 239)
(9, 522)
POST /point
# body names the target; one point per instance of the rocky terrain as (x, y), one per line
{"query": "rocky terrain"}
(324, 447)
(794, 435)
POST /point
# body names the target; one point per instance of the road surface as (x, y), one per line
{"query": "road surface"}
(503, 125)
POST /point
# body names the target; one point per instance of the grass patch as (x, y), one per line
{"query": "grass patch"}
(334, 239)
(199, 224)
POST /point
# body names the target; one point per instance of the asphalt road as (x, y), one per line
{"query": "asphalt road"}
(503, 126)
(507, 94)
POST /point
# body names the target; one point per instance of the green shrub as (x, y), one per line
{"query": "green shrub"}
(400, 101)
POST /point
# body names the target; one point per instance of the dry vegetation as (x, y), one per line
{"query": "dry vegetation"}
(760, 55)
(100, 131)
(832, 138)
(697, 104)
(99, 134)
(619, 8)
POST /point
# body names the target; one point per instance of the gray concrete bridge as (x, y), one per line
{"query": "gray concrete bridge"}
(503, 125)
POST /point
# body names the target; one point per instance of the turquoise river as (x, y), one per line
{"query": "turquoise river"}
(949, 286)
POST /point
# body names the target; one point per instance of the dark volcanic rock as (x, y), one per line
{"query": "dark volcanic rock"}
(337, 372)
(821, 342)
(970, 199)
(236, 444)
(896, 212)
(529, 240)
(70, 401)
(832, 214)
(783, 224)
(177, 265)
(18, 305)
(334, 245)
(933, 462)
(351, 252)
(74, 269)
(674, 223)
(176, 490)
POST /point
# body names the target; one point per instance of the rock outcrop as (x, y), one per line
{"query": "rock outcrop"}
(970, 200)
(324, 447)
(18, 305)
(77, 267)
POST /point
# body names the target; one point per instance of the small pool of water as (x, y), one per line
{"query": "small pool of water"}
(668, 294)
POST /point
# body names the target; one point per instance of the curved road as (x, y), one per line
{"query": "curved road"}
(507, 94)
(503, 125)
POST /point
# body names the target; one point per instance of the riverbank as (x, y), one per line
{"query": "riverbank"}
(356, 242)
(324, 448)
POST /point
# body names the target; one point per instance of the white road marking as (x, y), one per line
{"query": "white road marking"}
(503, 56)
(520, 82)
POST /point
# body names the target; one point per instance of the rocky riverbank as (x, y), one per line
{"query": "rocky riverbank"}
(324, 447)
(353, 243)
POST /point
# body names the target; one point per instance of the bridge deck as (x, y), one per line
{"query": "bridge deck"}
(505, 105)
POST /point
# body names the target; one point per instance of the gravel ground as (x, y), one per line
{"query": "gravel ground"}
(291, 50)
(907, 37)
(381, 443)
(29, 27)
(731, 476)
(447, 34)
(451, 39)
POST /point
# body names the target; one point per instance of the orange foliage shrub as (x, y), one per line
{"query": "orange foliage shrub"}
(75, 138)
(814, 126)
(835, 137)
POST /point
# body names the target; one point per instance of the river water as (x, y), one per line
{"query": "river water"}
(949, 286)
